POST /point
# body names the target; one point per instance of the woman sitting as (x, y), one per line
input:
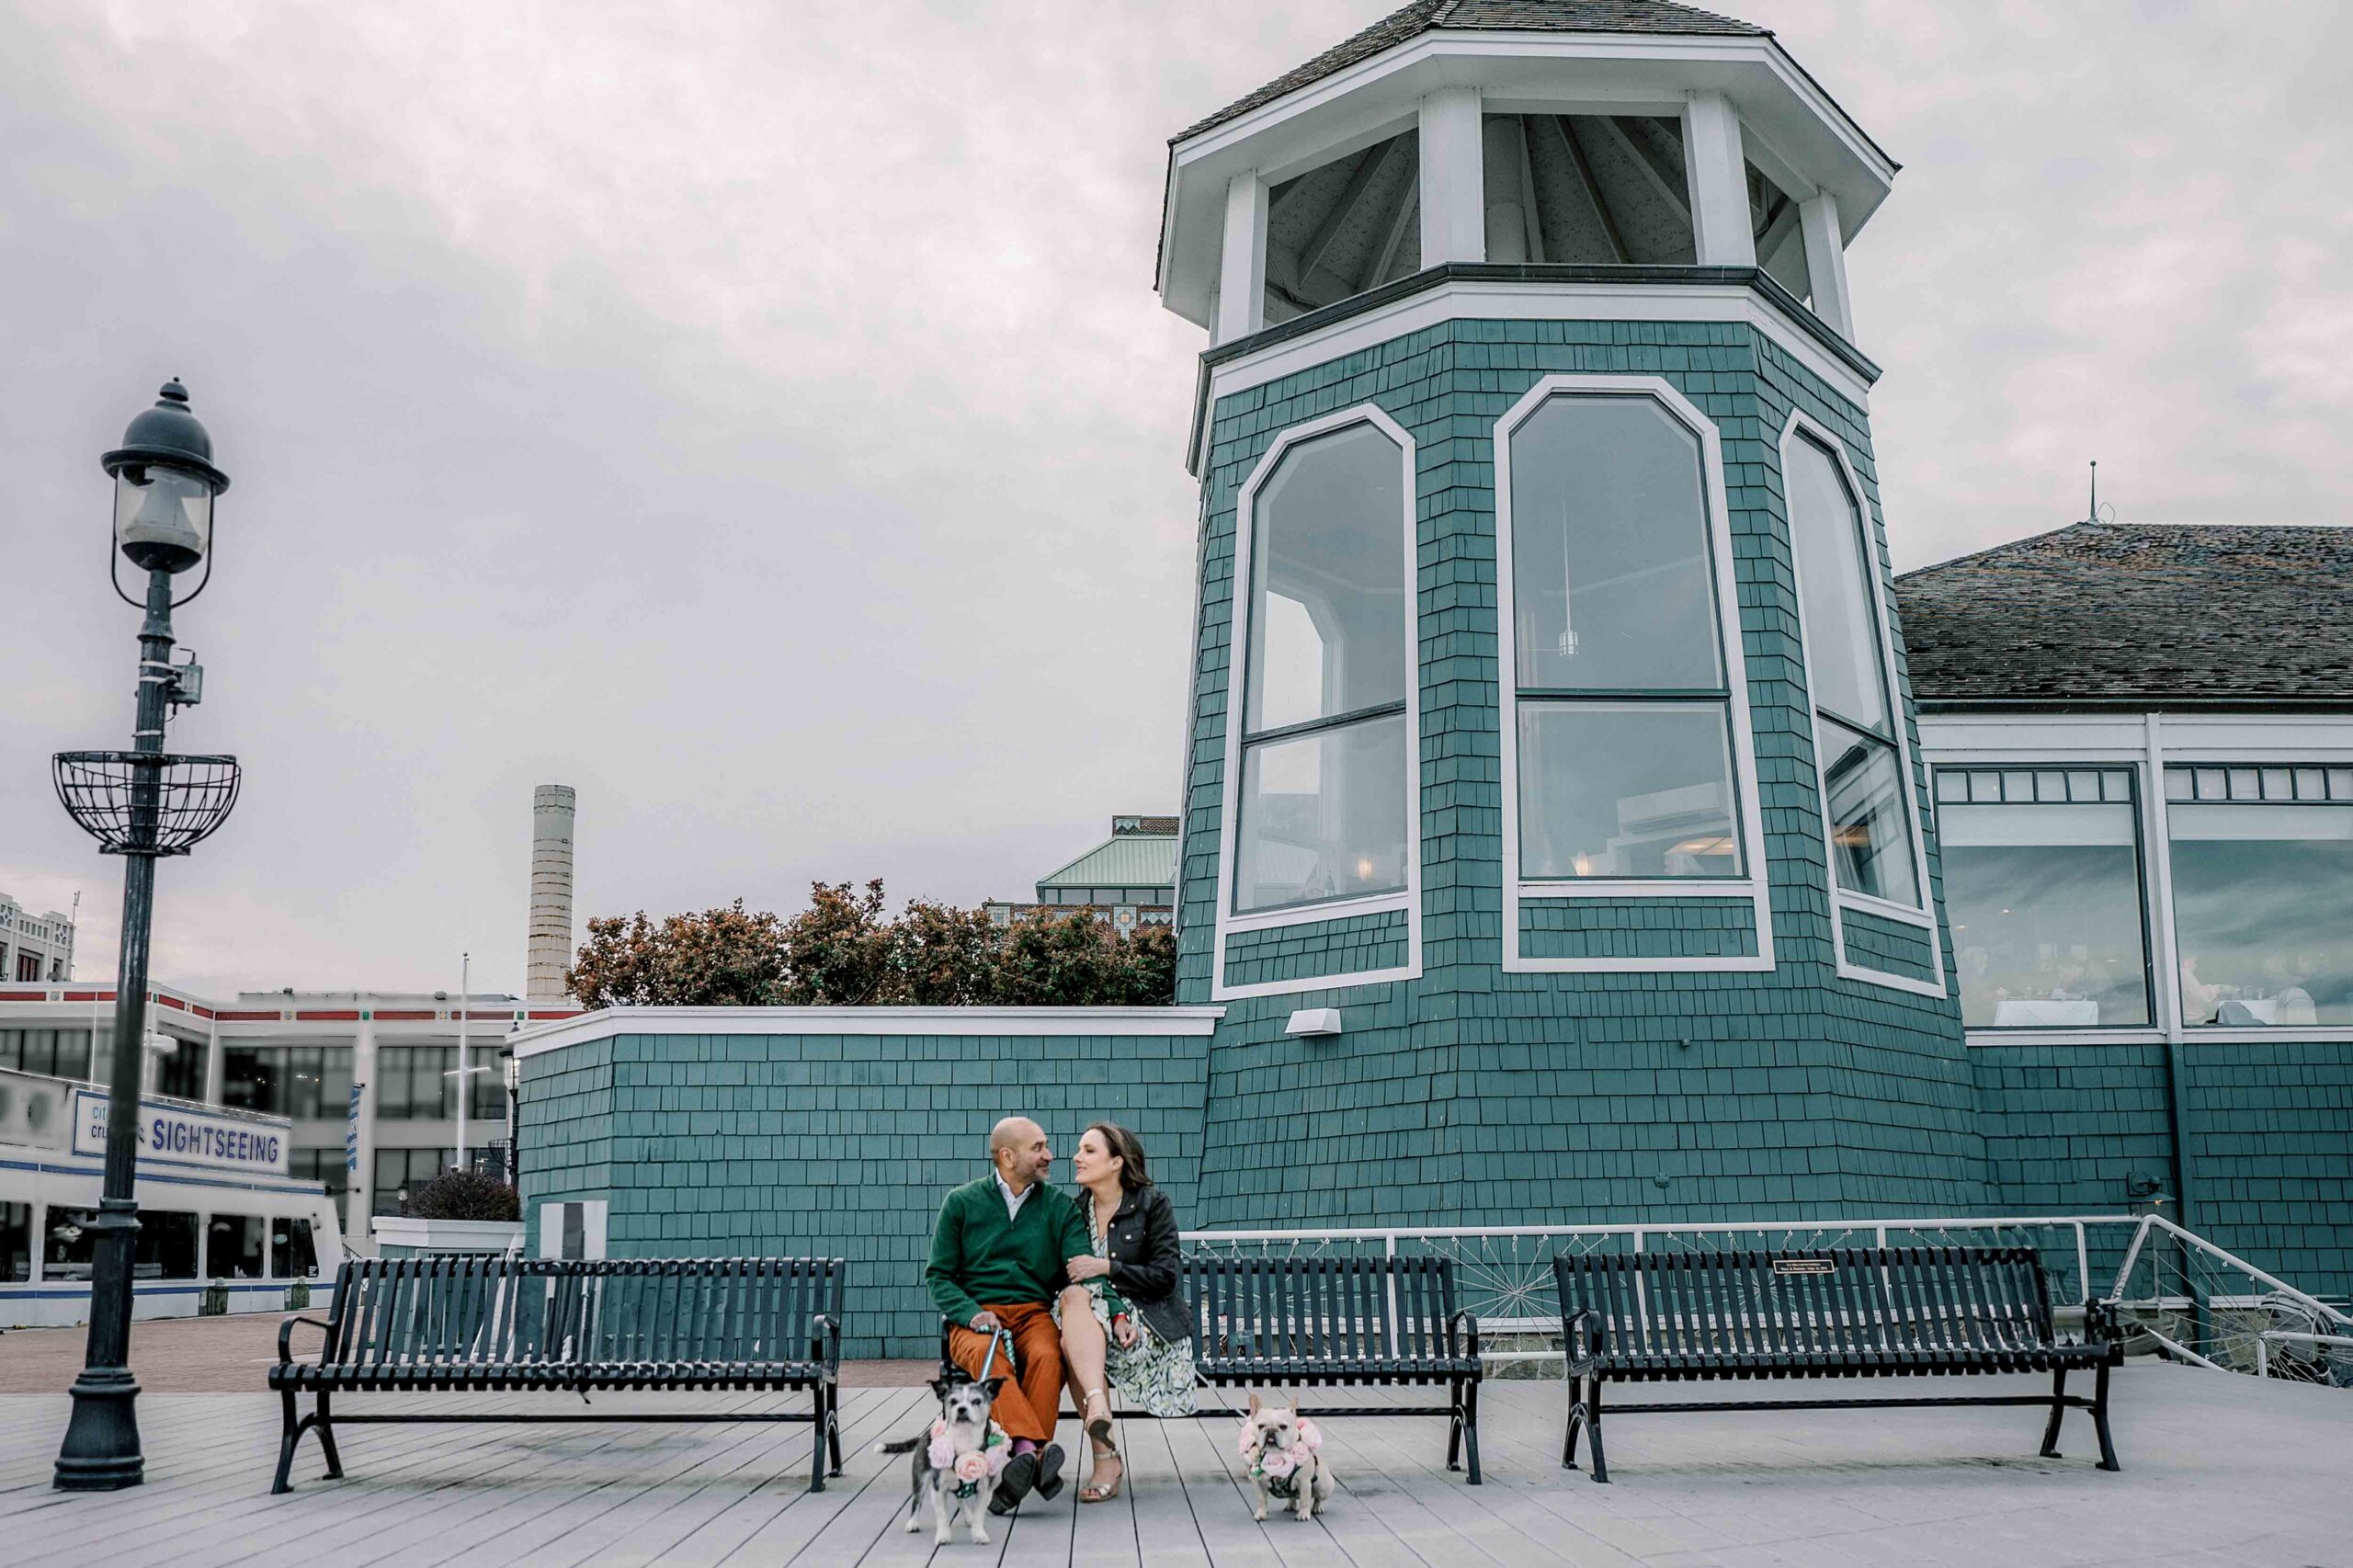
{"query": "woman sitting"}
(1125, 1314)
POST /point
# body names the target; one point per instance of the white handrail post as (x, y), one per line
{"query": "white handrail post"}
(2083, 1267)
(2131, 1257)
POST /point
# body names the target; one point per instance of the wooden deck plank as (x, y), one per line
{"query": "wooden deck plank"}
(702, 1453)
(1161, 1513)
(228, 1477)
(869, 1415)
(777, 1466)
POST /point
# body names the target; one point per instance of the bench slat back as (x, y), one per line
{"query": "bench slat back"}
(1345, 1310)
(483, 1310)
(1842, 1304)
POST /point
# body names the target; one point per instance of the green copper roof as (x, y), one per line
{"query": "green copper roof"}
(1130, 860)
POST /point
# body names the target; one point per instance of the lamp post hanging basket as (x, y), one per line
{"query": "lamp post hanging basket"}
(194, 797)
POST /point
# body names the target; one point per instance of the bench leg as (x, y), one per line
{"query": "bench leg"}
(1470, 1419)
(1454, 1425)
(289, 1434)
(2099, 1420)
(1577, 1422)
(1593, 1427)
(817, 1438)
(2058, 1409)
(326, 1439)
(834, 1425)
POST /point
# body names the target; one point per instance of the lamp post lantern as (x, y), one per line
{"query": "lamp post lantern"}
(140, 804)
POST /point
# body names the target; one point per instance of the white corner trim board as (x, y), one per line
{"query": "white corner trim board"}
(969, 1022)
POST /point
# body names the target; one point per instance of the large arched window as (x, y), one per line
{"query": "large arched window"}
(1323, 758)
(1856, 737)
(1622, 710)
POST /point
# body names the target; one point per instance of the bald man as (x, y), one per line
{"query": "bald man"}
(997, 1258)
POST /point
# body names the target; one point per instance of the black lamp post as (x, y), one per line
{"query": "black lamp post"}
(140, 804)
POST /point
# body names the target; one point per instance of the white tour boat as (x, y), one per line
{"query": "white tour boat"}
(223, 1227)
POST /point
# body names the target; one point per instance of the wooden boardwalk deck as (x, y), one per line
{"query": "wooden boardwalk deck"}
(2220, 1469)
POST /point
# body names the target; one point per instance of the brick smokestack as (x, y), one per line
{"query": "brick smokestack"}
(552, 806)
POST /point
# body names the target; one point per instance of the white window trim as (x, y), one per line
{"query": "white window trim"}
(1925, 917)
(1237, 698)
(2146, 743)
(1751, 827)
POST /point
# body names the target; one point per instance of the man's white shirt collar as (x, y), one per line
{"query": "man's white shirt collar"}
(1013, 1201)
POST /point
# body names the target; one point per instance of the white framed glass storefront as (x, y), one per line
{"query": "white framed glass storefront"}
(2148, 876)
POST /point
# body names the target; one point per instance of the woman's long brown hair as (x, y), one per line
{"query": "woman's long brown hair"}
(1128, 1149)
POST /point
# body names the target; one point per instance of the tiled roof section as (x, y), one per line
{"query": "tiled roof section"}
(2108, 615)
(1130, 860)
(1506, 16)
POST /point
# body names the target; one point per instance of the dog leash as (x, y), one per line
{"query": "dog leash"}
(1002, 1335)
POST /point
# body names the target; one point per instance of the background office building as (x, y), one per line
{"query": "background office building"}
(1130, 879)
(298, 1054)
(34, 949)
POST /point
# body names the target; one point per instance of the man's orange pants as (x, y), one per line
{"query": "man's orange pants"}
(1026, 1406)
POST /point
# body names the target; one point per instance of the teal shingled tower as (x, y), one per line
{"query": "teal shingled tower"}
(1555, 835)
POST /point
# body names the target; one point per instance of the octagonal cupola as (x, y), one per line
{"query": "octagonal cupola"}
(1590, 140)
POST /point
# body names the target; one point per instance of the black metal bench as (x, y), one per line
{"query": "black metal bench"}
(1324, 1321)
(1843, 1312)
(482, 1323)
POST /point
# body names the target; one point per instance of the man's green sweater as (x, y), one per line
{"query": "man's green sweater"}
(979, 1257)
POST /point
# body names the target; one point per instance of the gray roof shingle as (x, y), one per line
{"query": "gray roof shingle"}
(2116, 615)
(1513, 16)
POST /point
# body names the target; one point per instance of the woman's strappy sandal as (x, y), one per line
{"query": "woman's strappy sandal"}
(1103, 1491)
(1098, 1427)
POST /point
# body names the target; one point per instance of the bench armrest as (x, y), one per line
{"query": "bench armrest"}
(286, 1337)
(1463, 1333)
(1579, 1343)
(825, 1342)
(2102, 1325)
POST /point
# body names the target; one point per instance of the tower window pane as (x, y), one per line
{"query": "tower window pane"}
(1329, 627)
(1869, 850)
(1611, 587)
(1322, 797)
(1322, 816)
(1841, 633)
(1626, 790)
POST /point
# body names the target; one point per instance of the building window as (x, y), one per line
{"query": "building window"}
(292, 1253)
(2042, 886)
(405, 1168)
(53, 1054)
(418, 1082)
(67, 1243)
(2262, 869)
(306, 1083)
(181, 1073)
(1623, 709)
(1322, 812)
(1855, 729)
(328, 1167)
(15, 1243)
(165, 1245)
(28, 966)
(232, 1248)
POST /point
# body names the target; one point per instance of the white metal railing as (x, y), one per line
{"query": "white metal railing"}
(2192, 1299)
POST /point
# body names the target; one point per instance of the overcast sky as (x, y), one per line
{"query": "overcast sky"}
(759, 416)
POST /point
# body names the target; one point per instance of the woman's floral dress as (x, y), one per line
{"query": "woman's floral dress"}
(1153, 1374)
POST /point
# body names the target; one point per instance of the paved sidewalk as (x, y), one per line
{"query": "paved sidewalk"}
(2221, 1471)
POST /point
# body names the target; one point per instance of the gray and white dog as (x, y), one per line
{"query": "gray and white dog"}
(962, 1429)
